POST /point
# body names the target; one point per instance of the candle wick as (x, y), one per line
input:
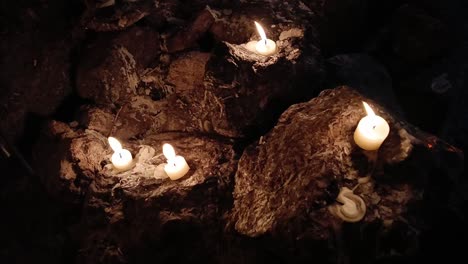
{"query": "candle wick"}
(373, 127)
(265, 42)
(120, 154)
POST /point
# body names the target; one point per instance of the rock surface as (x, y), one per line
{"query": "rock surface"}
(285, 185)
(111, 66)
(149, 72)
(230, 91)
(125, 211)
(286, 181)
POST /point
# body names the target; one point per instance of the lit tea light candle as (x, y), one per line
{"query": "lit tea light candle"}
(176, 166)
(264, 46)
(122, 158)
(371, 131)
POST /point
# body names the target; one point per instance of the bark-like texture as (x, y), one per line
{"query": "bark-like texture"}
(230, 91)
(134, 214)
(287, 180)
(284, 187)
(110, 69)
(150, 72)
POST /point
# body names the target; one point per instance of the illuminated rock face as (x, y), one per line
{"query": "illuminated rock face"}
(286, 182)
(281, 190)
(198, 85)
(140, 208)
(170, 71)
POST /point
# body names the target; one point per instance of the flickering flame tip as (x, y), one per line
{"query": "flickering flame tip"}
(260, 30)
(369, 110)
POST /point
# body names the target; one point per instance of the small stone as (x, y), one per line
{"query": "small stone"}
(292, 33)
(441, 84)
(145, 154)
(73, 124)
(159, 172)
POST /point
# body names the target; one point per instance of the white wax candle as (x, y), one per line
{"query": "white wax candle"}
(371, 131)
(122, 158)
(264, 46)
(176, 166)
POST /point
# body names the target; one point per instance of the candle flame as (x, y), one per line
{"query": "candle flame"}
(369, 110)
(114, 143)
(168, 151)
(260, 30)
